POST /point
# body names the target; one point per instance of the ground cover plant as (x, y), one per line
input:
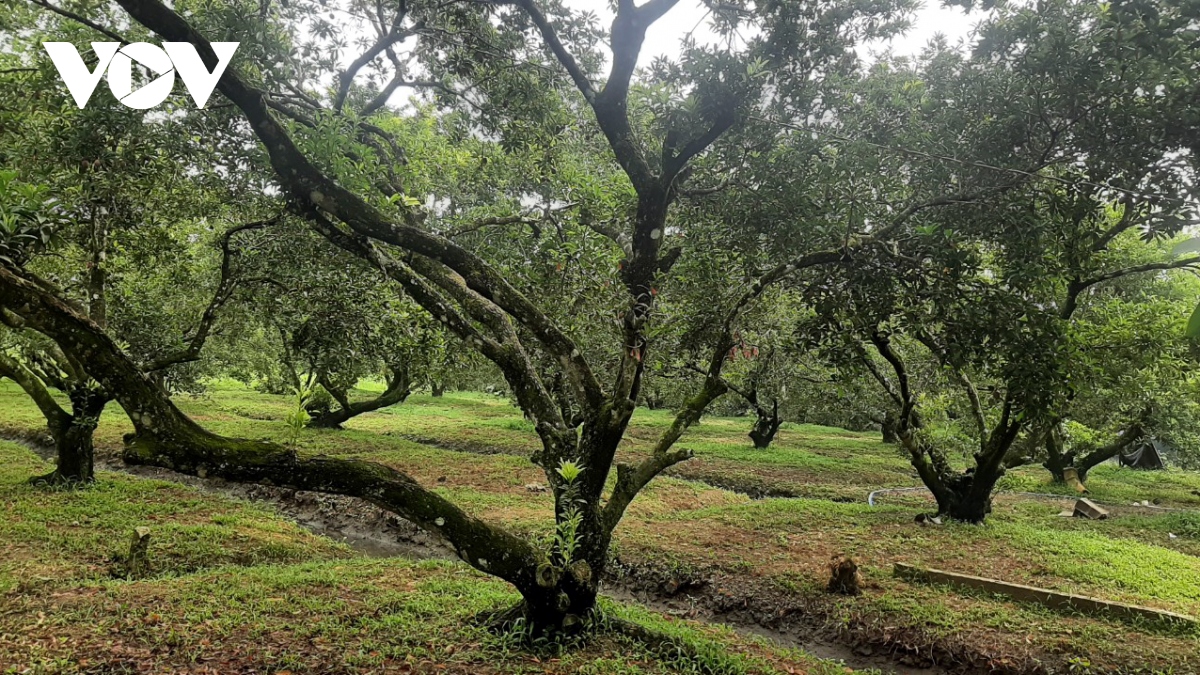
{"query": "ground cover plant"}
(705, 548)
(235, 588)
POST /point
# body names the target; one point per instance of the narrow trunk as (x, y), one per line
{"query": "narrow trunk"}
(890, 427)
(71, 431)
(437, 389)
(766, 426)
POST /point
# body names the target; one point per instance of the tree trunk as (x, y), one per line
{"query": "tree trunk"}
(71, 431)
(437, 389)
(563, 600)
(1057, 459)
(398, 389)
(968, 496)
(766, 426)
(73, 442)
(963, 496)
(889, 426)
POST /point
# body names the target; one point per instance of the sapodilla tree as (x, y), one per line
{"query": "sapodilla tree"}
(989, 288)
(474, 300)
(78, 189)
(338, 325)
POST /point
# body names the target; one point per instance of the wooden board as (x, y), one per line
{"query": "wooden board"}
(1042, 596)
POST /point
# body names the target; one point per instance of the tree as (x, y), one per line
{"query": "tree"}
(336, 323)
(1130, 367)
(476, 300)
(85, 195)
(989, 289)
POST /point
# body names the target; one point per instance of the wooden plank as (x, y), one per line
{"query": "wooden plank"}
(1042, 596)
(1087, 508)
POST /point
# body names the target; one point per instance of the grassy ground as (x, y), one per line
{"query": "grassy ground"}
(236, 589)
(771, 553)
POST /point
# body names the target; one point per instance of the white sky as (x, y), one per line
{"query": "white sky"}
(663, 37)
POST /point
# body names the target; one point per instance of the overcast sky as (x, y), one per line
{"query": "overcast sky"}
(663, 37)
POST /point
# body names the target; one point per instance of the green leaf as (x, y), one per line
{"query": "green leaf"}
(1193, 326)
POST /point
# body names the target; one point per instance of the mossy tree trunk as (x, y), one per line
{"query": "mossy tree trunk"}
(399, 386)
(71, 431)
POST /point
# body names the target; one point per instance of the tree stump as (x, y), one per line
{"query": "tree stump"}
(844, 578)
(137, 564)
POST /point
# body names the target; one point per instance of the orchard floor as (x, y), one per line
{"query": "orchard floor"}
(237, 582)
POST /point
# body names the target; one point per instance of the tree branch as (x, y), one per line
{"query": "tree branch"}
(391, 37)
(36, 390)
(972, 394)
(1078, 286)
(227, 283)
(309, 185)
(550, 36)
(80, 19)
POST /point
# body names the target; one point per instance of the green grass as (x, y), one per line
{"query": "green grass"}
(777, 548)
(351, 616)
(1109, 483)
(51, 535)
(238, 589)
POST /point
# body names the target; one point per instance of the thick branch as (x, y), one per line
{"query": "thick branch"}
(308, 185)
(882, 379)
(513, 362)
(385, 94)
(631, 480)
(33, 386)
(1107, 452)
(226, 284)
(166, 437)
(883, 345)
